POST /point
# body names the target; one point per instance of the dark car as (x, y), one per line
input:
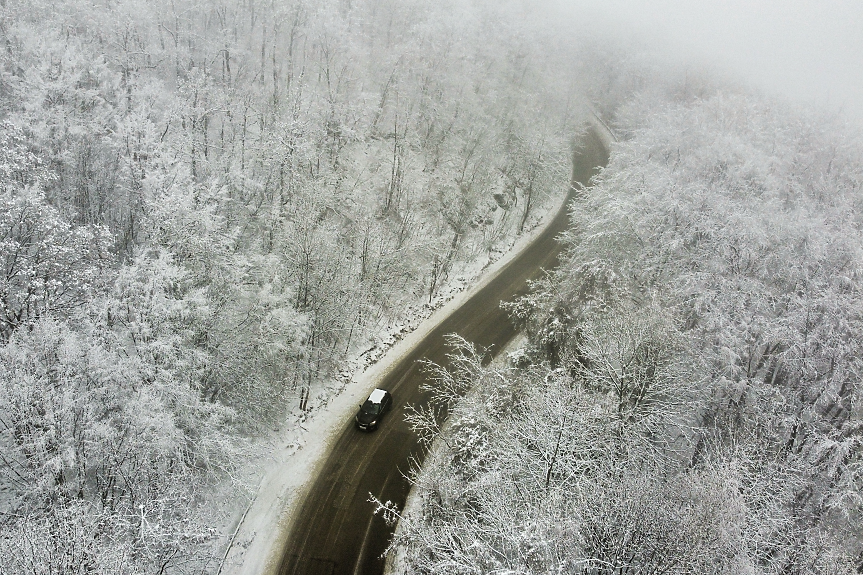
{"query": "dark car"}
(371, 412)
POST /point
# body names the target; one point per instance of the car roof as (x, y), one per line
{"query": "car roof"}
(377, 396)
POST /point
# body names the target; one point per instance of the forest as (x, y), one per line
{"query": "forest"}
(207, 207)
(688, 398)
(210, 207)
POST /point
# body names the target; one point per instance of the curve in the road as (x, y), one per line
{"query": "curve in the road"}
(335, 531)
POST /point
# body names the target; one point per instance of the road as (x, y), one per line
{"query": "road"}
(335, 531)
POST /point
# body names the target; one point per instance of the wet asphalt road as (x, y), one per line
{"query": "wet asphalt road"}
(335, 531)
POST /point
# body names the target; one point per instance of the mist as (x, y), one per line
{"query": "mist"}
(806, 50)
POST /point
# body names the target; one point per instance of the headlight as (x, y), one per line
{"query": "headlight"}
(375, 422)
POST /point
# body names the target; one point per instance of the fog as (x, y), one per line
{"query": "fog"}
(809, 50)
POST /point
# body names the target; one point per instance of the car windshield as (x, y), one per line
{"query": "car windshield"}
(370, 407)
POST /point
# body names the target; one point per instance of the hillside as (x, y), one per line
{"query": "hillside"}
(210, 212)
(689, 400)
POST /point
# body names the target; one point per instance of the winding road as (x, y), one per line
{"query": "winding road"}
(335, 531)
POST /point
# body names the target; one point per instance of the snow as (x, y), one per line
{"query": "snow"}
(377, 396)
(298, 452)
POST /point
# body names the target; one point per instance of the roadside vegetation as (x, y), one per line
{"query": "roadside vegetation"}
(690, 397)
(205, 208)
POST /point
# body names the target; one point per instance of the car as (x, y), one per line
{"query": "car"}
(374, 408)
